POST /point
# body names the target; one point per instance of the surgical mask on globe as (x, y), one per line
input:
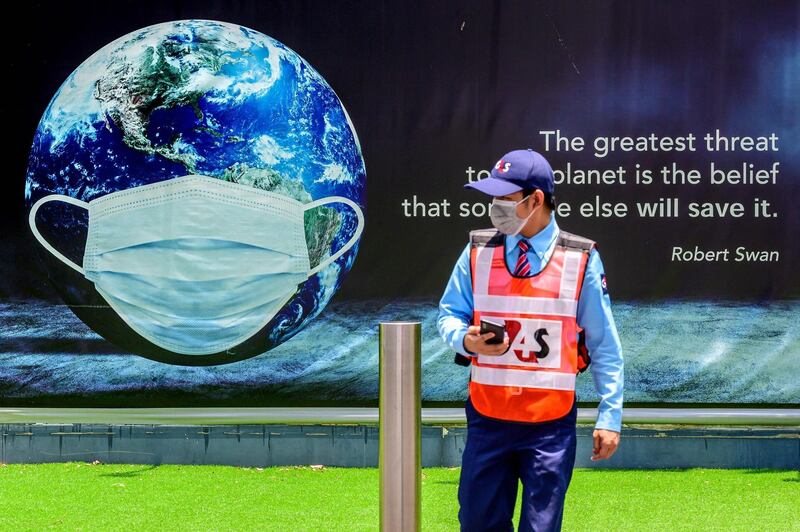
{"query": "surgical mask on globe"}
(194, 264)
(504, 216)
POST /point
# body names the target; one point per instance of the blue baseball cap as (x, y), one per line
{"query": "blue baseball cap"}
(515, 171)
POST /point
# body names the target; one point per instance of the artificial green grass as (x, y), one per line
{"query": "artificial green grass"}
(82, 496)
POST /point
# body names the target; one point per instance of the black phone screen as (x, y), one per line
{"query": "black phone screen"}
(498, 329)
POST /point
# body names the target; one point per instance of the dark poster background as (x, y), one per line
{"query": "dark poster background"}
(434, 89)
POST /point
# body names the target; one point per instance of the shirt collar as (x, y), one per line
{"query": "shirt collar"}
(541, 242)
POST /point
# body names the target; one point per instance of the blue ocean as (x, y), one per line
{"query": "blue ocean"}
(675, 352)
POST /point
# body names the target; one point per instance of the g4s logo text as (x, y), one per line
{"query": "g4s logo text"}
(527, 347)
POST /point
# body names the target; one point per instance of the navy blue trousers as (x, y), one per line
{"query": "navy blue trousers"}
(500, 453)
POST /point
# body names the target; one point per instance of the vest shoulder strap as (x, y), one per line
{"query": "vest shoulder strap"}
(486, 237)
(576, 242)
(493, 238)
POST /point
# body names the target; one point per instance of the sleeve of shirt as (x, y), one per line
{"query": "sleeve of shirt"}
(455, 307)
(602, 341)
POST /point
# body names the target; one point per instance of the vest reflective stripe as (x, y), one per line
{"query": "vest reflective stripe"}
(484, 268)
(569, 277)
(525, 305)
(534, 381)
(523, 378)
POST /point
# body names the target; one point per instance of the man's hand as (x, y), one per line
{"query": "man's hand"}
(475, 342)
(605, 444)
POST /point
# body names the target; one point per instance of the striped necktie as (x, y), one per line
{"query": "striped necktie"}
(523, 266)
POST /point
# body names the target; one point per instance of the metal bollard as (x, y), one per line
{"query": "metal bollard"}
(399, 426)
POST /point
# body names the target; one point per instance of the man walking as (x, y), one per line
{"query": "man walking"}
(548, 288)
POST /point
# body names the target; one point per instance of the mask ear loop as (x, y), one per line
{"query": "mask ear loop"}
(32, 222)
(350, 243)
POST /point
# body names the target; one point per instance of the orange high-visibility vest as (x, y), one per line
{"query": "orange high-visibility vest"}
(534, 381)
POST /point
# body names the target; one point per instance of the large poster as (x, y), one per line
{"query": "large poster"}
(214, 205)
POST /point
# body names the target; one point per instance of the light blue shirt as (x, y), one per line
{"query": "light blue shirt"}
(593, 315)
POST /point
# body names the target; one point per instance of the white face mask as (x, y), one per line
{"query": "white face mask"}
(504, 216)
(194, 264)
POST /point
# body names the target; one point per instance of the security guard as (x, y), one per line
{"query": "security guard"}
(548, 288)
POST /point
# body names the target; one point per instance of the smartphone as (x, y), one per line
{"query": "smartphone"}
(499, 330)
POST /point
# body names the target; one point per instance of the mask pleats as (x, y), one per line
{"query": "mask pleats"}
(193, 264)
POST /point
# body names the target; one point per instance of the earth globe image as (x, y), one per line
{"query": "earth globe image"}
(207, 98)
